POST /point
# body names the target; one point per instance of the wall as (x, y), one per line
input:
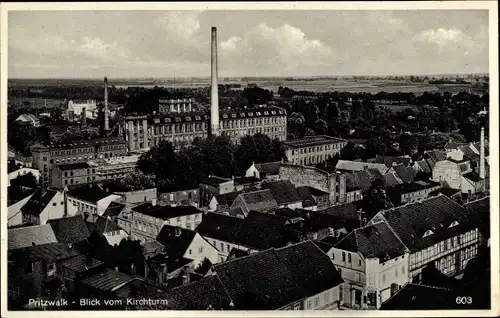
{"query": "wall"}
(447, 171)
(301, 176)
(199, 249)
(103, 204)
(115, 237)
(224, 247)
(82, 206)
(252, 172)
(313, 154)
(55, 209)
(139, 196)
(417, 195)
(15, 217)
(326, 300)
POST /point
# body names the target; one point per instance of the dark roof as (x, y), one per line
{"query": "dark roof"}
(283, 281)
(81, 263)
(469, 153)
(227, 198)
(269, 168)
(472, 176)
(390, 160)
(50, 252)
(410, 222)
(317, 193)
(244, 180)
(26, 236)
(446, 191)
(454, 145)
(373, 241)
(91, 194)
(479, 211)
(335, 217)
(17, 193)
(421, 297)
(412, 187)
(405, 173)
(259, 230)
(104, 225)
(107, 280)
(38, 202)
(175, 240)
(259, 200)
(359, 180)
(283, 191)
(113, 209)
(165, 212)
(436, 155)
(324, 246)
(74, 166)
(207, 293)
(424, 166)
(309, 141)
(214, 180)
(287, 212)
(70, 230)
(236, 252)
(306, 197)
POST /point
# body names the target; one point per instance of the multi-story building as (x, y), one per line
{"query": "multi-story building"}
(181, 196)
(45, 157)
(114, 167)
(373, 263)
(144, 131)
(450, 172)
(148, 219)
(213, 185)
(307, 176)
(184, 105)
(77, 107)
(44, 205)
(436, 230)
(72, 174)
(411, 192)
(90, 199)
(312, 150)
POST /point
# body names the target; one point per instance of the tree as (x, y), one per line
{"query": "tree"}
(204, 266)
(258, 148)
(320, 127)
(308, 132)
(160, 160)
(351, 152)
(27, 180)
(374, 199)
(136, 181)
(130, 256)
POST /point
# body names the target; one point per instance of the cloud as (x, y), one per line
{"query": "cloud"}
(445, 39)
(273, 50)
(97, 48)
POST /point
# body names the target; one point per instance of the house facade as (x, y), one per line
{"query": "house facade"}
(46, 205)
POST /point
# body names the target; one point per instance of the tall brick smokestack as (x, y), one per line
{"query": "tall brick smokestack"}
(106, 110)
(214, 106)
(84, 116)
(481, 156)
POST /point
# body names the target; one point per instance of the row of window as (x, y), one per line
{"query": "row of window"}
(317, 148)
(78, 181)
(87, 150)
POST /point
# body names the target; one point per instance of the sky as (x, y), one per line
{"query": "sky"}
(121, 44)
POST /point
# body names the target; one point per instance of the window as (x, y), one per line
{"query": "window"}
(340, 271)
(359, 262)
(341, 293)
(222, 247)
(316, 302)
(190, 252)
(200, 249)
(343, 256)
(54, 204)
(309, 304)
(349, 258)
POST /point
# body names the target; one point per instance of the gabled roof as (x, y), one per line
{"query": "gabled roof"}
(258, 231)
(335, 217)
(17, 193)
(410, 222)
(165, 212)
(306, 197)
(227, 198)
(207, 293)
(269, 168)
(404, 173)
(479, 213)
(175, 240)
(38, 202)
(107, 280)
(114, 209)
(89, 193)
(472, 176)
(81, 263)
(424, 166)
(283, 191)
(390, 180)
(49, 252)
(283, 281)
(104, 225)
(390, 160)
(70, 230)
(373, 241)
(258, 200)
(26, 236)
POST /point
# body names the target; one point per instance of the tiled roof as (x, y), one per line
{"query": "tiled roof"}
(227, 198)
(259, 230)
(390, 160)
(91, 194)
(165, 212)
(104, 225)
(306, 197)
(410, 222)
(359, 180)
(479, 213)
(175, 240)
(310, 141)
(283, 281)
(283, 192)
(49, 252)
(424, 166)
(373, 241)
(236, 252)
(107, 280)
(259, 200)
(269, 168)
(421, 297)
(26, 236)
(390, 180)
(113, 209)
(244, 180)
(404, 173)
(412, 187)
(436, 155)
(335, 217)
(70, 230)
(347, 165)
(81, 263)
(469, 153)
(207, 293)
(39, 201)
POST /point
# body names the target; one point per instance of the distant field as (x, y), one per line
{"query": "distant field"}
(37, 102)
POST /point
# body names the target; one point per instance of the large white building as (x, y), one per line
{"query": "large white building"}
(77, 107)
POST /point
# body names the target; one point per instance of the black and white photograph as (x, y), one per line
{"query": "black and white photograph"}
(252, 157)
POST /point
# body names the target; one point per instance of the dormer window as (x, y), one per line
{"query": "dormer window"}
(454, 223)
(429, 232)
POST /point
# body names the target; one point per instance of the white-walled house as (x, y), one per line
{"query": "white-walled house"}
(44, 205)
(91, 199)
(109, 229)
(15, 217)
(450, 171)
(179, 242)
(373, 263)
